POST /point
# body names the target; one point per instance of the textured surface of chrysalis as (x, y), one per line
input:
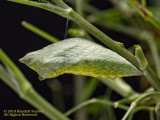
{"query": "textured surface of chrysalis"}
(81, 57)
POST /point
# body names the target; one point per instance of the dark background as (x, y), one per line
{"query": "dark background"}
(16, 41)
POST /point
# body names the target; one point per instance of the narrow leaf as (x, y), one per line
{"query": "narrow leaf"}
(81, 57)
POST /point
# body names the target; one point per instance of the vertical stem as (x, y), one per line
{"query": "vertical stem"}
(155, 54)
(79, 7)
(150, 75)
(151, 115)
(144, 3)
(92, 101)
(79, 86)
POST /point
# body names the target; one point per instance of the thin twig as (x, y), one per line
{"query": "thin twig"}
(92, 101)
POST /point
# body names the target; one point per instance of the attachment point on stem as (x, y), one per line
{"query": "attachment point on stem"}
(116, 104)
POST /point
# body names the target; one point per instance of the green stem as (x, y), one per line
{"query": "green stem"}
(128, 100)
(118, 85)
(151, 114)
(39, 32)
(92, 101)
(151, 76)
(79, 82)
(61, 4)
(146, 108)
(79, 7)
(144, 3)
(137, 101)
(155, 54)
(87, 7)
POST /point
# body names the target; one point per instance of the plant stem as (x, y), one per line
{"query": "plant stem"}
(79, 7)
(151, 115)
(150, 109)
(91, 101)
(79, 86)
(61, 4)
(128, 100)
(39, 32)
(155, 54)
(151, 76)
(87, 7)
(119, 86)
(137, 101)
(25, 90)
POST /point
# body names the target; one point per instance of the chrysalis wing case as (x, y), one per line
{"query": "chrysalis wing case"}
(81, 57)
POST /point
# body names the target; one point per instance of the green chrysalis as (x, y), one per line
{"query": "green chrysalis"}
(81, 57)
